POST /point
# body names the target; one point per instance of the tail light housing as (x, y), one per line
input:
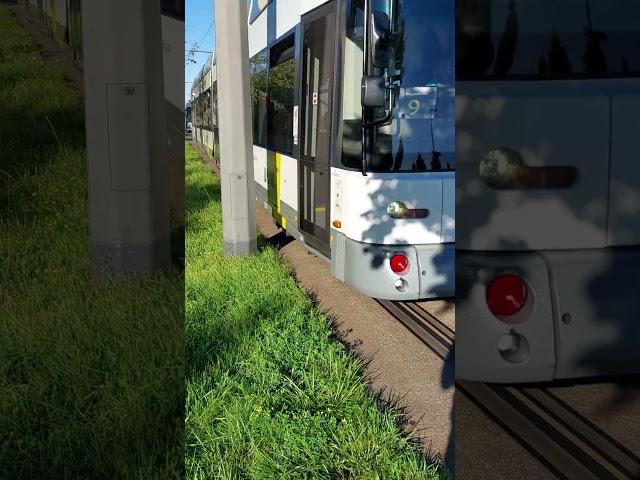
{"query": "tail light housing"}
(505, 169)
(399, 264)
(506, 295)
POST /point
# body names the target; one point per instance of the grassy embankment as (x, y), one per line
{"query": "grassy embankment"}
(91, 379)
(270, 393)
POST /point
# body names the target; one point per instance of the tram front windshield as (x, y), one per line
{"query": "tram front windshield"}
(547, 39)
(421, 134)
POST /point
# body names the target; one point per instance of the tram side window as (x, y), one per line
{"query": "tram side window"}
(195, 112)
(351, 107)
(198, 111)
(546, 39)
(272, 96)
(258, 68)
(207, 109)
(201, 111)
(281, 87)
(214, 104)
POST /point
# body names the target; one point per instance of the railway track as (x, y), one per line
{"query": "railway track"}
(424, 325)
(567, 443)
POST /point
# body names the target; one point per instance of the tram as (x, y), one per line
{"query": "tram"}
(353, 136)
(61, 20)
(204, 109)
(548, 255)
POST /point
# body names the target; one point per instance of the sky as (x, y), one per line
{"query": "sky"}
(199, 29)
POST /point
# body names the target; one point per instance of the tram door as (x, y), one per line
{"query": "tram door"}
(317, 78)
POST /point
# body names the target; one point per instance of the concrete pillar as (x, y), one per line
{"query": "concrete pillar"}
(234, 120)
(126, 137)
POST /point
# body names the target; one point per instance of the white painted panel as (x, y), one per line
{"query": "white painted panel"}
(307, 5)
(289, 181)
(258, 34)
(173, 60)
(288, 16)
(360, 203)
(532, 118)
(276, 20)
(260, 166)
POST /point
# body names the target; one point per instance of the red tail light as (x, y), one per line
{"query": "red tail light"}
(506, 295)
(399, 263)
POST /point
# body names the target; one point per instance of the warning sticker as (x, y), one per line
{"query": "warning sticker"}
(314, 98)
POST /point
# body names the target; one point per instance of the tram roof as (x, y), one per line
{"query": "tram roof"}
(206, 68)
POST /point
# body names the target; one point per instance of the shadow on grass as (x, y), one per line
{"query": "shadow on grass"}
(208, 343)
(30, 137)
(41, 125)
(200, 197)
(90, 375)
(388, 402)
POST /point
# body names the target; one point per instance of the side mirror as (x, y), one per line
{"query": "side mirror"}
(373, 92)
(380, 39)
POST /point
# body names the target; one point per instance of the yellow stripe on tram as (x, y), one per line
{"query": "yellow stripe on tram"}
(281, 219)
(278, 166)
(54, 20)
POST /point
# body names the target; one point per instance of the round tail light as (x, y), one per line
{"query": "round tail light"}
(399, 263)
(506, 295)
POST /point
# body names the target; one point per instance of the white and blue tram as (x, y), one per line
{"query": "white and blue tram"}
(548, 189)
(353, 133)
(204, 108)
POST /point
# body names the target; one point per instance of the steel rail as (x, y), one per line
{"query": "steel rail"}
(557, 435)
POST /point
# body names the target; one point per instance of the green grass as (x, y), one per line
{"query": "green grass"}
(270, 393)
(91, 374)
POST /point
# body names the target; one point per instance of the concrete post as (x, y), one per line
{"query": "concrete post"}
(234, 122)
(126, 137)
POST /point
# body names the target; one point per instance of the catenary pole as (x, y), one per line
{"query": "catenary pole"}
(234, 124)
(126, 137)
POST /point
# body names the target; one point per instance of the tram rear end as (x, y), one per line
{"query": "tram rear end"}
(548, 229)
